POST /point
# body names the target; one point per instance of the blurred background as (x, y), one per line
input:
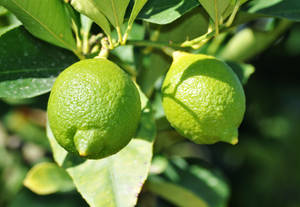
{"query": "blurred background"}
(263, 169)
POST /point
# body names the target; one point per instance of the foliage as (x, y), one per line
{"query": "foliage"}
(159, 167)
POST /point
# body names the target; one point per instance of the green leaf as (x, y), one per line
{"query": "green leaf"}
(19, 123)
(192, 183)
(175, 193)
(231, 6)
(167, 11)
(248, 43)
(26, 198)
(114, 10)
(242, 70)
(74, 17)
(190, 26)
(278, 8)
(47, 178)
(45, 19)
(29, 68)
(114, 181)
(3, 11)
(89, 8)
(215, 8)
(12, 23)
(138, 5)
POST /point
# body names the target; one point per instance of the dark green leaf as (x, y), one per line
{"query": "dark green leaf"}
(166, 11)
(45, 19)
(174, 193)
(28, 199)
(138, 5)
(289, 9)
(28, 66)
(242, 70)
(190, 184)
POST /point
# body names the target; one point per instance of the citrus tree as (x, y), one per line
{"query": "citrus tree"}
(137, 87)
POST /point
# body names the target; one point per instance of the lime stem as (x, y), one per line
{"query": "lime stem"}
(78, 54)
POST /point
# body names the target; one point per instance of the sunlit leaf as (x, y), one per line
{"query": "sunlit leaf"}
(89, 8)
(45, 19)
(46, 178)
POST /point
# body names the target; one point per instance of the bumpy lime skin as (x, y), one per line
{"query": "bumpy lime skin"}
(94, 108)
(203, 99)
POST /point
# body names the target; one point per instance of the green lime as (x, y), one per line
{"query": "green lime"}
(203, 99)
(94, 108)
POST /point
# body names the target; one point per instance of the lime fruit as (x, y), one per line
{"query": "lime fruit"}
(203, 98)
(94, 108)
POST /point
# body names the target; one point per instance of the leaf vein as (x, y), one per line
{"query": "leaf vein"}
(44, 26)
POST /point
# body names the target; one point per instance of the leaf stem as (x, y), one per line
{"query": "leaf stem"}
(85, 40)
(199, 41)
(119, 34)
(233, 14)
(78, 54)
(125, 37)
(77, 35)
(216, 19)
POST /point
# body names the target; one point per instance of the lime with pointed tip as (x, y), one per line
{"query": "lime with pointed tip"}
(94, 108)
(203, 98)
